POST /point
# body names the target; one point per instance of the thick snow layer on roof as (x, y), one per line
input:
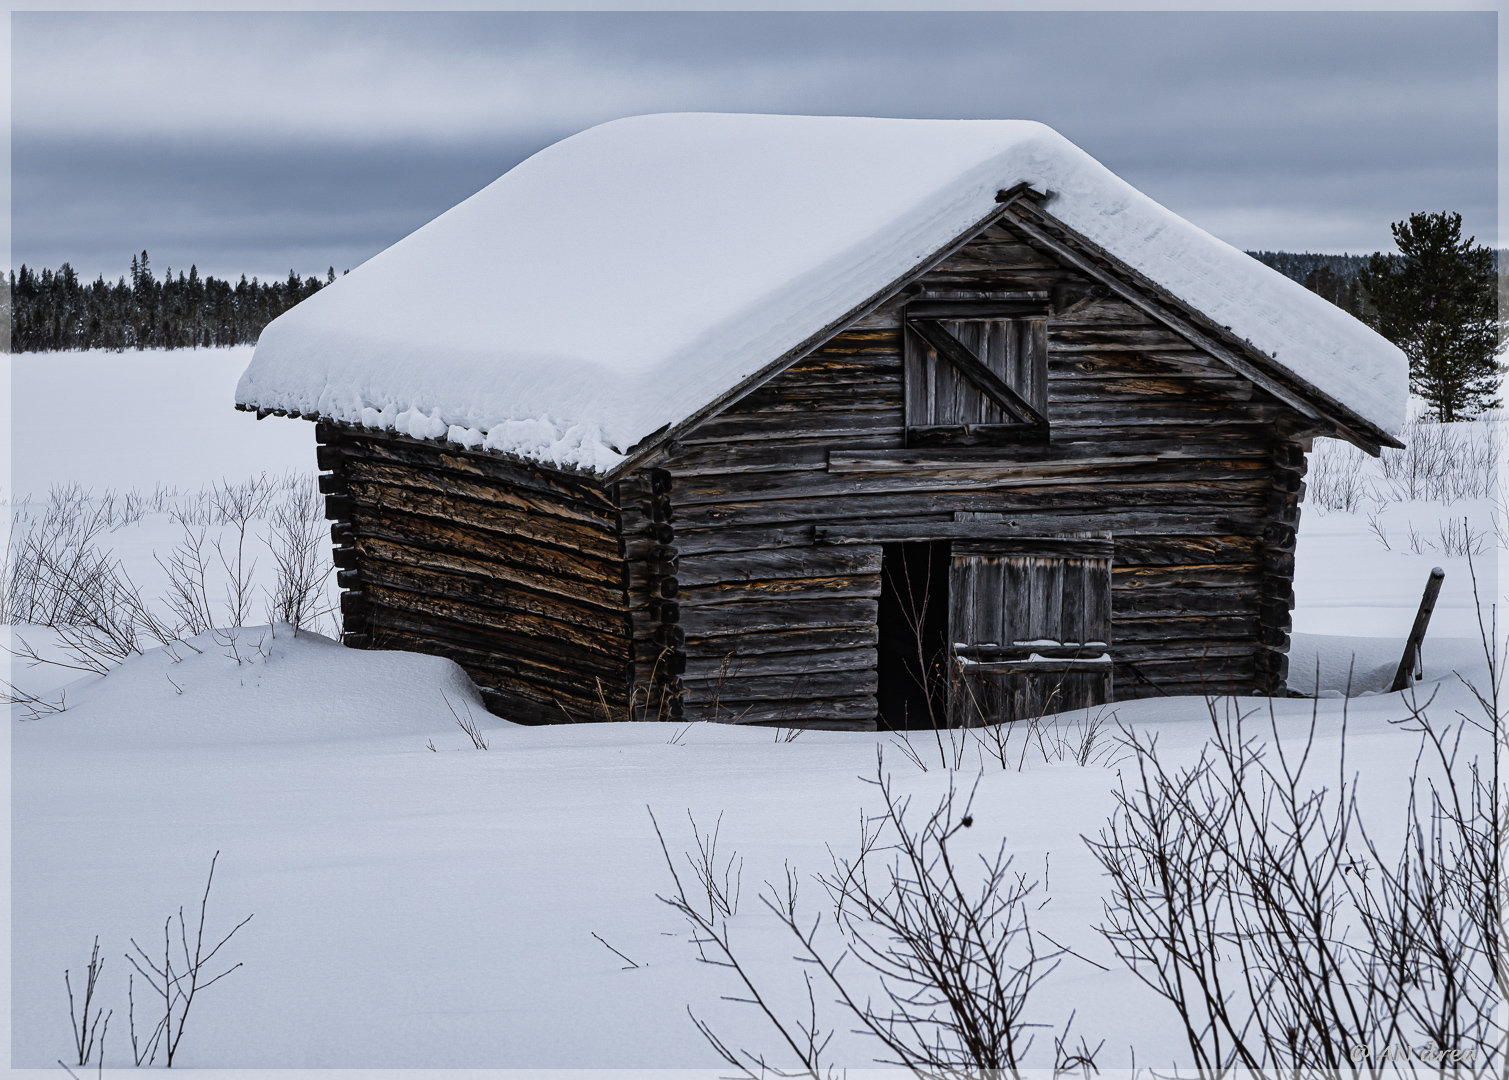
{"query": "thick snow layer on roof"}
(623, 278)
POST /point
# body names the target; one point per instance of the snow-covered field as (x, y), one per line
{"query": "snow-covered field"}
(419, 902)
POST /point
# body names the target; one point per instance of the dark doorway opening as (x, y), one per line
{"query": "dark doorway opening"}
(913, 647)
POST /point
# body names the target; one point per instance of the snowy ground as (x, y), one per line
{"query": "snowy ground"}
(421, 903)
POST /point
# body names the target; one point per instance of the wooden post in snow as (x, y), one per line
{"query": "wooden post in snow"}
(1404, 676)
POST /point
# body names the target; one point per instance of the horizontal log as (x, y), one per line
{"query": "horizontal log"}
(710, 692)
(402, 482)
(1105, 505)
(809, 640)
(503, 632)
(774, 404)
(1188, 550)
(1141, 364)
(489, 594)
(746, 663)
(831, 425)
(973, 464)
(1129, 687)
(1116, 338)
(738, 458)
(1140, 483)
(1057, 666)
(509, 526)
(1194, 651)
(552, 484)
(1173, 602)
(712, 536)
(1221, 674)
(401, 536)
(962, 310)
(761, 590)
(327, 458)
(876, 343)
(713, 568)
(406, 537)
(1054, 547)
(1127, 630)
(720, 620)
(659, 532)
(1091, 394)
(355, 608)
(844, 714)
(1090, 304)
(1216, 576)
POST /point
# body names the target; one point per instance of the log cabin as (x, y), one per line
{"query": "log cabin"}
(825, 422)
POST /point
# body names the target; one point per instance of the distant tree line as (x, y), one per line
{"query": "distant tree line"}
(1337, 277)
(1333, 276)
(56, 309)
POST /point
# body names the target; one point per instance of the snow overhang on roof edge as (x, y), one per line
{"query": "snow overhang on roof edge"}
(558, 341)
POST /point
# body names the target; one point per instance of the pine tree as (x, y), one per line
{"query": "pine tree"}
(1437, 300)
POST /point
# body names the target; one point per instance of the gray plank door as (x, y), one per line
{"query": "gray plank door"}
(1030, 627)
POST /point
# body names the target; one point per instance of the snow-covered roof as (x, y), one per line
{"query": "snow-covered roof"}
(620, 280)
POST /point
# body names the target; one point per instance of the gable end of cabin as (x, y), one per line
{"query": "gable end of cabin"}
(881, 499)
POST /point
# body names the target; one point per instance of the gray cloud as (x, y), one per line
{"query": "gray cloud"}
(259, 141)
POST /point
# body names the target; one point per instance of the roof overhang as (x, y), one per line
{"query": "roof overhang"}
(1025, 208)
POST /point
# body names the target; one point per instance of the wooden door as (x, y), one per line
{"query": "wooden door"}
(1029, 627)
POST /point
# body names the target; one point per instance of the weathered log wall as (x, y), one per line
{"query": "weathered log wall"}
(1195, 471)
(737, 577)
(514, 571)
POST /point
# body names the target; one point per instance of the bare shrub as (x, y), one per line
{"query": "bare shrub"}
(1375, 524)
(1444, 462)
(1258, 906)
(237, 506)
(88, 1031)
(721, 882)
(57, 571)
(60, 577)
(33, 706)
(467, 723)
(1458, 538)
(300, 552)
(176, 981)
(945, 935)
(1441, 463)
(56, 560)
(188, 569)
(1084, 738)
(1337, 477)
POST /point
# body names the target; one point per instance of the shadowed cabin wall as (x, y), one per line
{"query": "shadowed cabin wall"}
(1195, 472)
(514, 571)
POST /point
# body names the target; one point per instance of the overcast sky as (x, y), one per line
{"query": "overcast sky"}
(257, 143)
